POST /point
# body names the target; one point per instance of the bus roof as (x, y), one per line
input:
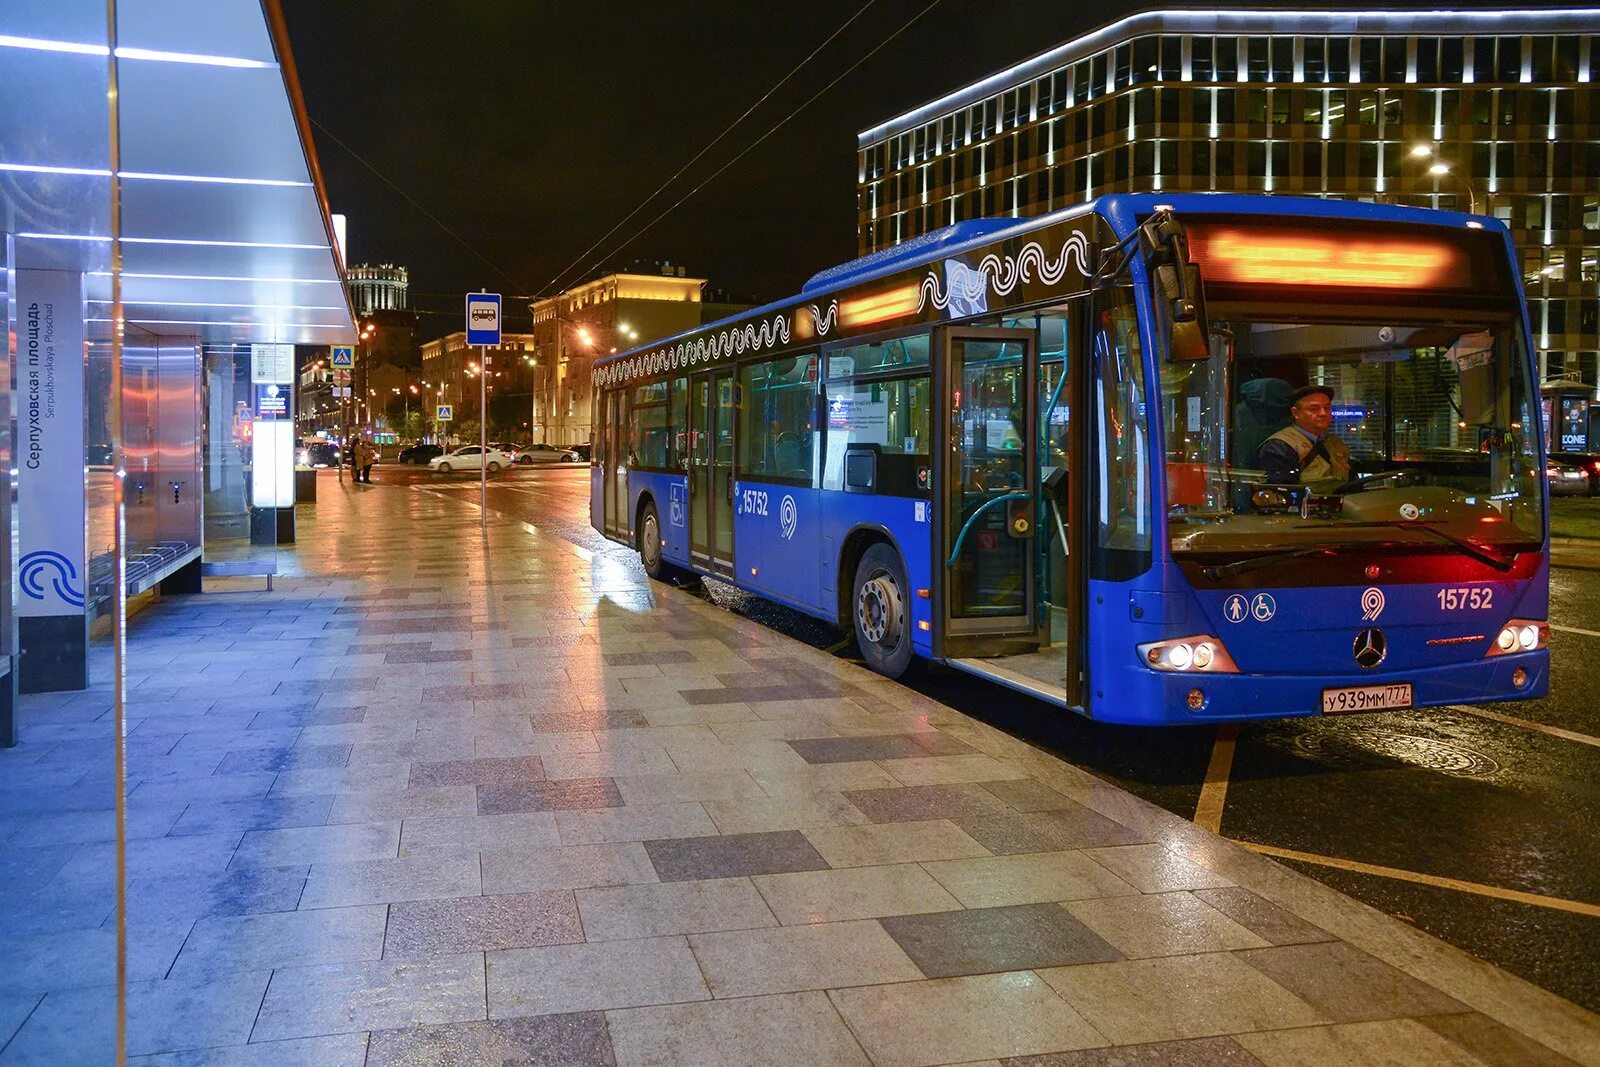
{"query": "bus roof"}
(1121, 210)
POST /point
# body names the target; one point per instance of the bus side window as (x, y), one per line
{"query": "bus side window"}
(894, 415)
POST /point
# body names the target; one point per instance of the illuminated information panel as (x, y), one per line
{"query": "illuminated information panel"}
(1245, 259)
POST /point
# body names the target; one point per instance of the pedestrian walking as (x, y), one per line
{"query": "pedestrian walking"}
(366, 456)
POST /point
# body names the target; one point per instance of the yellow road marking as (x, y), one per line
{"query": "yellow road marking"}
(1575, 630)
(1557, 903)
(1208, 812)
(1528, 724)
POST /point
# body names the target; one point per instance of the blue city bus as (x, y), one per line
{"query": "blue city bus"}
(1032, 449)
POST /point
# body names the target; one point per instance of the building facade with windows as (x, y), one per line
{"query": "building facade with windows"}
(380, 288)
(608, 313)
(451, 369)
(1292, 102)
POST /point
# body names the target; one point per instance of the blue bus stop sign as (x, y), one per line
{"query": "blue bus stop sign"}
(483, 318)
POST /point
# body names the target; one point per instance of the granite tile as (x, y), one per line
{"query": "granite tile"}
(853, 893)
(1261, 917)
(792, 959)
(959, 1020)
(1216, 993)
(733, 856)
(1346, 984)
(478, 833)
(566, 867)
(589, 977)
(864, 749)
(476, 924)
(985, 940)
(920, 803)
(1048, 831)
(746, 1032)
(1385, 1043)
(507, 771)
(333, 885)
(1492, 1042)
(1155, 869)
(1162, 924)
(567, 794)
(225, 944)
(900, 842)
(636, 822)
(1198, 1052)
(349, 997)
(666, 908)
(1034, 878)
(577, 1039)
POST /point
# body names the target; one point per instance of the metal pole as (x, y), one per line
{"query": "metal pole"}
(483, 438)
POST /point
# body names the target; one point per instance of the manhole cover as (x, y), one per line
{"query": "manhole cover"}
(1365, 746)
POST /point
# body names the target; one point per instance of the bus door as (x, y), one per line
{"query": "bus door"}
(711, 418)
(614, 453)
(986, 502)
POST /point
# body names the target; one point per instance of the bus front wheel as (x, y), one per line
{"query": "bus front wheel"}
(882, 619)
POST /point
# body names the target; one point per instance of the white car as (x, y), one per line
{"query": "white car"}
(470, 458)
(545, 454)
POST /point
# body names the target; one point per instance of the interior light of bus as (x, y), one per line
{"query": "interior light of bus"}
(890, 304)
(1474, 225)
(1520, 635)
(1233, 256)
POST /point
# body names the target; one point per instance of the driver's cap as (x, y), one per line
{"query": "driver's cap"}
(1308, 390)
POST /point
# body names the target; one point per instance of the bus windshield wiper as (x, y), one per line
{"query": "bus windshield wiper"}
(1461, 544)
(1267, 559)
(1469, 548)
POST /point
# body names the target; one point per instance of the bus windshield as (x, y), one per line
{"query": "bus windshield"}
(1355, 430)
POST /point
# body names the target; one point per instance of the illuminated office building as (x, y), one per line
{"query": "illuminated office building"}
(1296, 102)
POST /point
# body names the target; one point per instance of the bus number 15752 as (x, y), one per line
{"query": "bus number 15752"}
(1467, 598)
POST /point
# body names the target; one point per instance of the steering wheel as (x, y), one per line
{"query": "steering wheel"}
(1403, 478)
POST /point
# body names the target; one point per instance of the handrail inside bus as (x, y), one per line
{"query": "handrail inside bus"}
(985, 506)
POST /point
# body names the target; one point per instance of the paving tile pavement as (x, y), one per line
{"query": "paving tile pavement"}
(401, 810)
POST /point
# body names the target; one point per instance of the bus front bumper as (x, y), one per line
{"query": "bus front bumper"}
(1155, 698)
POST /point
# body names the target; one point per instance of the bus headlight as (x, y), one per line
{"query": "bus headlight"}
(1520, 635)
(1201, 653)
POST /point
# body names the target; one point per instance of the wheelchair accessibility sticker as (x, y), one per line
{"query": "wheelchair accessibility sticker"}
(675, 508)
(1262, 607)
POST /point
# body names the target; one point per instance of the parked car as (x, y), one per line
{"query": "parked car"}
(1589, 464)
(321, 454)
(1566, 478)
(470, 458)
(419, 454)
(584, 450)
(534, 454)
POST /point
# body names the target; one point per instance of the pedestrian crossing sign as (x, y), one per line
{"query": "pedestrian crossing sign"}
(446, 413)
(342, 356)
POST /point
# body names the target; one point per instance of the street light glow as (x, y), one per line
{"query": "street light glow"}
(1421, 151)
(1439, 168)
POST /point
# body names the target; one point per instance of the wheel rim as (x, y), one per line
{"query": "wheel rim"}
(650, 542)
(878, 611)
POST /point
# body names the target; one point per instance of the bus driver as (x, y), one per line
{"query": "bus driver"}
(1304, 450)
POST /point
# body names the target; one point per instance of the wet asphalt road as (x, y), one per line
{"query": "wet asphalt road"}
(1444, 794)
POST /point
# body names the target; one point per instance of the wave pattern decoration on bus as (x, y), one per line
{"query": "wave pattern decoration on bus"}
(967, 289)
(735, 341)
(1002, 274)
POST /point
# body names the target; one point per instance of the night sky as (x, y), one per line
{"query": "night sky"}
(530, 128)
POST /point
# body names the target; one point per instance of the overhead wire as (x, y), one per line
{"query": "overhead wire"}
(772, 130)
(413, 202)
(553, 283)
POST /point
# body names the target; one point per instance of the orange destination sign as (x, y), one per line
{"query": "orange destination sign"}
(1269, 258)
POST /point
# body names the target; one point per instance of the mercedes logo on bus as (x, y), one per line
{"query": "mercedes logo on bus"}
(1371, 647)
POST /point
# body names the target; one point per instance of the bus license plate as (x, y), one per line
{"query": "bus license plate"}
(1366, 698)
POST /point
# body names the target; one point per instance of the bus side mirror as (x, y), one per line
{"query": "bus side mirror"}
(1181, 288)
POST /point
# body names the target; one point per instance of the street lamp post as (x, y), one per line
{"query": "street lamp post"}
(1440, 168)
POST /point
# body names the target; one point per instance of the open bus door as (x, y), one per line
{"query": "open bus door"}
(1008, 573)
(986, 496)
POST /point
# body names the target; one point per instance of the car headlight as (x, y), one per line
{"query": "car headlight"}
(1520, 635)
(1199, 654)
